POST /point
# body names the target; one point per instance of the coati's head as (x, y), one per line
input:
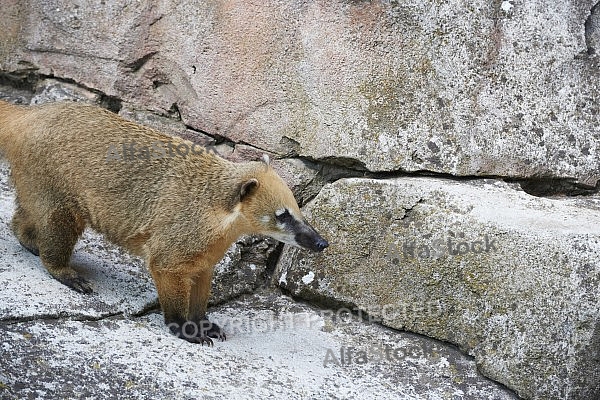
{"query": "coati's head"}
(269, 206)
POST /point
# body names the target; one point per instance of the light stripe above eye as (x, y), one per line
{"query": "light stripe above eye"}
(280, 212)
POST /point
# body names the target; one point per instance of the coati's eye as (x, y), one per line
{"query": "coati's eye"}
(283, 215)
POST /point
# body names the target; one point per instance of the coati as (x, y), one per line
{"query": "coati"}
(179, 213)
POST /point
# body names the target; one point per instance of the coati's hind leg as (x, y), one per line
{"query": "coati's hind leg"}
(56, 238)
(183, 294)
(25, 230)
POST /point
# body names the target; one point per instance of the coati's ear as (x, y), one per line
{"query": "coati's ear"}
(248, 188)
(265, 159)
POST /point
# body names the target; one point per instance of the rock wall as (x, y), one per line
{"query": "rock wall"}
(460, 87)
(403, 93)
(511, 279)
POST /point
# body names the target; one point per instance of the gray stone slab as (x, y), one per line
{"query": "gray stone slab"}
(510, 278)
(275, 348)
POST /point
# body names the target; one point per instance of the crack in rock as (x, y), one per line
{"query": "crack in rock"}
(592, 30)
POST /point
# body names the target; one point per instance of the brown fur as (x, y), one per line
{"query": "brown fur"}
(179, 214)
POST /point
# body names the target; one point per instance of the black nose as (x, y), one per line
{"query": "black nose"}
(321, 244)
(310, 239)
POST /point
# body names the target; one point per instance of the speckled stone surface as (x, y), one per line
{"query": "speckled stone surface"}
(510, 278)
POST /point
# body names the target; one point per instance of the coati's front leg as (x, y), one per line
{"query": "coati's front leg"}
(183, 294)
(198, 303)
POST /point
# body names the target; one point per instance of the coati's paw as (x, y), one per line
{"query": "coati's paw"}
(197, 332)
(76, 283)
(213, 330)
(190, 331)
(30, 249)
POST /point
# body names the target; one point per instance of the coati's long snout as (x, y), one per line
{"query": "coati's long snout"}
(306, 236)
(300, 233)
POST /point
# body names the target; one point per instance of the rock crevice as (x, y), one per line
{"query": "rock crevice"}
(592, 31)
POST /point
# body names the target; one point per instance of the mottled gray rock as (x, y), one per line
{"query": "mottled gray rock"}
(304, 177)
(510, 278)
(51, 90)
(459, 87)
(275, 348)
(15, 90)
(242, 269)
(169, 125)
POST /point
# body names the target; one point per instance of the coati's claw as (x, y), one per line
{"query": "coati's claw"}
(199, 340)
(78, 284)
(214, 330)
(33, 251)
(206, 339)
(199, 333)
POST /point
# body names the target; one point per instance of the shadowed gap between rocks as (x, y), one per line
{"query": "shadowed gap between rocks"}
(27, 83)
(592, 30)
(535, 186)
(66, 316)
